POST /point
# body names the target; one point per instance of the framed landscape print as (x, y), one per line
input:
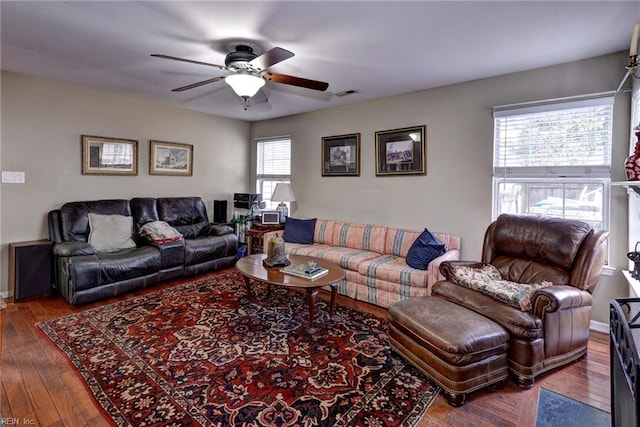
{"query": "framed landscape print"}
(401, 151)
(170, 158)
(341, 155)
(109, 156)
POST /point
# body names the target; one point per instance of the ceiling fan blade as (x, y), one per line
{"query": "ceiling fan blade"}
(295, 81)
(271, 57)
(260, 97)
(191, 86)
(157, 55)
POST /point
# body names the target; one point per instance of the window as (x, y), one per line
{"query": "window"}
(554, 158)
(273, 165)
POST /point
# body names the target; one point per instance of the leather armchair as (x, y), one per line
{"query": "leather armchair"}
(530, 249)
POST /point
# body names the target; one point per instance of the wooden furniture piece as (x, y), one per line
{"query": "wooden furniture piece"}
(255, 236)
(624, 336)
(251, 268)
(30, 268)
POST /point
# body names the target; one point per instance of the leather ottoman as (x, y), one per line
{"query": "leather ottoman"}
(459, 348)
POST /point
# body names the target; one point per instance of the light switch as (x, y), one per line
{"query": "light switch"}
(12, 177)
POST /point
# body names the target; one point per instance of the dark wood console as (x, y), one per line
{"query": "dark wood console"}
(624, 324)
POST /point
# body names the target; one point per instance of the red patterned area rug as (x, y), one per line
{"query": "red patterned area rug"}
(204, 354)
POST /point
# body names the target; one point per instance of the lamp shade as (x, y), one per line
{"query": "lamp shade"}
(244, 85)
(283, 193)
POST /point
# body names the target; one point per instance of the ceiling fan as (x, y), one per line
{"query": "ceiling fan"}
(250, 72)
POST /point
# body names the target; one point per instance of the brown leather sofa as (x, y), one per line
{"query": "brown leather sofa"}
(525, 249)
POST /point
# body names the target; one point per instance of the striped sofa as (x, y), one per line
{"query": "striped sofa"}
(374, 258)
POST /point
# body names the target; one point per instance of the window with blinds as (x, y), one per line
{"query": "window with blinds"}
(273, 165)
(554, 158)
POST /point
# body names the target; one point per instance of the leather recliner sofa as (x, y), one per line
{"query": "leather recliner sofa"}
(83, 274)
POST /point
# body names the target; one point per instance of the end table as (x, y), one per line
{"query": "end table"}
(255, 243)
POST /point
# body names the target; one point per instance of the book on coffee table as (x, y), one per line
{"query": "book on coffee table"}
(303, 270)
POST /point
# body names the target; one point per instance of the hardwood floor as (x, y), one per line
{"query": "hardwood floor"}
(39, 387)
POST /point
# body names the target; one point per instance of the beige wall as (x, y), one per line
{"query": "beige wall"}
(455, 195)
(42, 123)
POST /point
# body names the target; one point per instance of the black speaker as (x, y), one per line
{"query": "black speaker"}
(219, 211)
(30, 268)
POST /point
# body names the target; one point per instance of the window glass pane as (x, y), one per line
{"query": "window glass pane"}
(583, 201)
(273, 165)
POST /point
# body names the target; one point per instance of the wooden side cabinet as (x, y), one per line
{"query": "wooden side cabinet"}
(30, 268)
(255, 241)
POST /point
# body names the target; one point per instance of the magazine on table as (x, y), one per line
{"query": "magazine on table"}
(305, 271)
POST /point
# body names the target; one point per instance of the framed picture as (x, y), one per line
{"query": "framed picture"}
(109, 156)
(341, 155)
(401, 151)
(170, 158)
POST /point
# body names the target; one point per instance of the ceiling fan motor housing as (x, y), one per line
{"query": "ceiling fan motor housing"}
(240, 59)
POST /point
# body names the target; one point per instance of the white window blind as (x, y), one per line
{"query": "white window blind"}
(570, 138)
(554, 158)
(273, 165)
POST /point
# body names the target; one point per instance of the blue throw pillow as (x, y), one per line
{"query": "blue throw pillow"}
(299, 230)
(425, 249)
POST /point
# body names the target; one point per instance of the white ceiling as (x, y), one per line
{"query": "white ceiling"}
(375, 48)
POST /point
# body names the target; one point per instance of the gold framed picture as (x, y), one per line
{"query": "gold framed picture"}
(170, 158)
(109, 156)
(341, 155)
(401, 151)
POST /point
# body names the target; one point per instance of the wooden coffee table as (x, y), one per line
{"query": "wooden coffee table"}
(251, 268)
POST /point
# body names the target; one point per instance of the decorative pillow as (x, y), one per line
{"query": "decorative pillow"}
(299, 230)
(488, 280)
(160, 232)
(425, 249)
(108, 233)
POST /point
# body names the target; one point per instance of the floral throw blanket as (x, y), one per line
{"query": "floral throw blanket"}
(489, 281)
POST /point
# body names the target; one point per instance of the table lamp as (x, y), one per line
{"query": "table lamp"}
(283, 193)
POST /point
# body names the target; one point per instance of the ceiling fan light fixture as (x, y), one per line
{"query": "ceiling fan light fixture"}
(245, 85)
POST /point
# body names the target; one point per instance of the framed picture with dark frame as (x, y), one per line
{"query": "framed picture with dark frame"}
(170, 158)
(401, 151)
(109, 156)
(341, 155)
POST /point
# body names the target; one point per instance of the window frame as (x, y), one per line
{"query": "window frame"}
(562, 176)
(273, 178)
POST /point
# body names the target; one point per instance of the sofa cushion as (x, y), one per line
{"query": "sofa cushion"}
(391, 268)
(324, 232)
(75, 221)
(110, 232)
(299, 230)
(367, 237)
(425, 249)
(348, 258)
(489, 281)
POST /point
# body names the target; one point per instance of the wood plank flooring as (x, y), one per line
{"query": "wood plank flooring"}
(39, 387)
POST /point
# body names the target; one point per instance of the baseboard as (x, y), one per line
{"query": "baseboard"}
(4, 294)
(599, 327)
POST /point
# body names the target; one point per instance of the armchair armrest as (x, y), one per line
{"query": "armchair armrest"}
(73, 249)
(558, 297)
(446, 267)
(434, 269)
(217, 230)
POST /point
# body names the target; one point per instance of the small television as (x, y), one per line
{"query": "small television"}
(270, 217)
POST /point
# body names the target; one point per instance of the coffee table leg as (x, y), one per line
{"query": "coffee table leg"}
(246, 282)
(334, 291)
(311, 296)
